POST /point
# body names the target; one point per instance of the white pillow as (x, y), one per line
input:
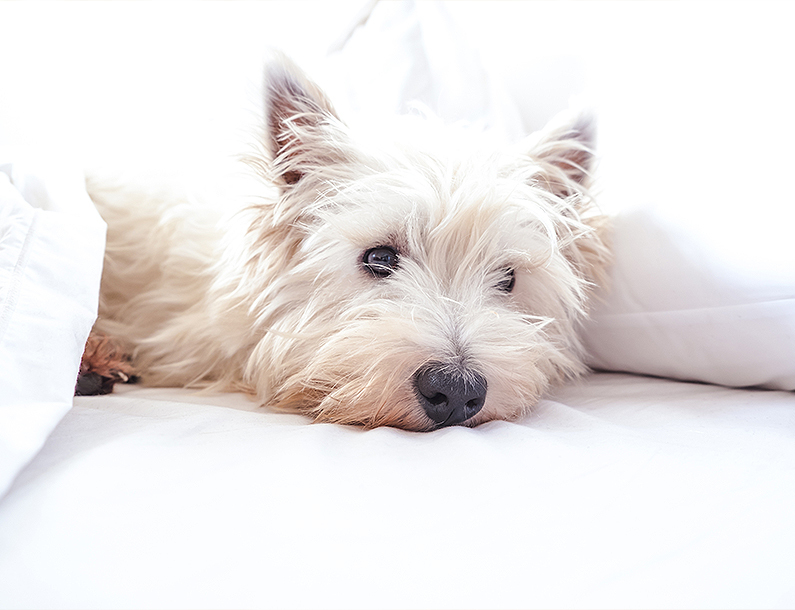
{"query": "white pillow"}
(51, 247)
(697, 157)
(679, 307)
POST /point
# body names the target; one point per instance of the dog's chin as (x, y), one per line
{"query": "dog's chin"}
(399, 411)
(402, 410)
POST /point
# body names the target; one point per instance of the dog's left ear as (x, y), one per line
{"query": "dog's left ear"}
(564, 155)
(301, 123)
(564, 149)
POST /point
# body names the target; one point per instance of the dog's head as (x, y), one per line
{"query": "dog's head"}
(427, 281)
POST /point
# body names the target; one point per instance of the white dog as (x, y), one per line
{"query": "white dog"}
(422, 281)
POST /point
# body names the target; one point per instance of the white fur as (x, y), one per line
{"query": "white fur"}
(275, 301)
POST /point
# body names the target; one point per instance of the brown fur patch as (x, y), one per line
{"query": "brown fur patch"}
(102, 358)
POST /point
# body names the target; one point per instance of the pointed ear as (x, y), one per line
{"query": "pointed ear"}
(564, 155)
(564, 149)
(300, 122)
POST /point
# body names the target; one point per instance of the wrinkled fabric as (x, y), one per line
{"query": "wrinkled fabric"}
(51, 247)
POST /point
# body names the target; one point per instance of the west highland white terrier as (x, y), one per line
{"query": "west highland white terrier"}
(423, 281)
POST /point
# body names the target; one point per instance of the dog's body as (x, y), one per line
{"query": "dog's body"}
(429, 281)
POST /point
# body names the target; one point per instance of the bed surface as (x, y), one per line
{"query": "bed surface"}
(621, 491)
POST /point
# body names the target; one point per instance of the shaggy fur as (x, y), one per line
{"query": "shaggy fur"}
(496, 252)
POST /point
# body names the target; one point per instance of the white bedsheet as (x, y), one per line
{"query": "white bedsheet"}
(622, 491)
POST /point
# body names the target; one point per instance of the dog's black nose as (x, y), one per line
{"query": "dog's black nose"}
(449, 396)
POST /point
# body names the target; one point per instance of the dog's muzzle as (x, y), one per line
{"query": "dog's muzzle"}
(449, 396)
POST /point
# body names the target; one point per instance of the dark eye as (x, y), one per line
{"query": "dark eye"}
(380, 261)
(507, 283)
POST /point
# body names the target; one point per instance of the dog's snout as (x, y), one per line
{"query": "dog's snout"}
(449, 396)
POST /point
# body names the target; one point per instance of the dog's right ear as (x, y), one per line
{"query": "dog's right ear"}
(301, 123)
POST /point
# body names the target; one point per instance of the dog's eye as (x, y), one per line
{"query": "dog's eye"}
(507, 283)
(380, 261)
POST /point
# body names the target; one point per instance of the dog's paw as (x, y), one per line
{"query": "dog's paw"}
(104, 363)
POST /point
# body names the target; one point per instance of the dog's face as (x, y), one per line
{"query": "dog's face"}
(430, 282)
